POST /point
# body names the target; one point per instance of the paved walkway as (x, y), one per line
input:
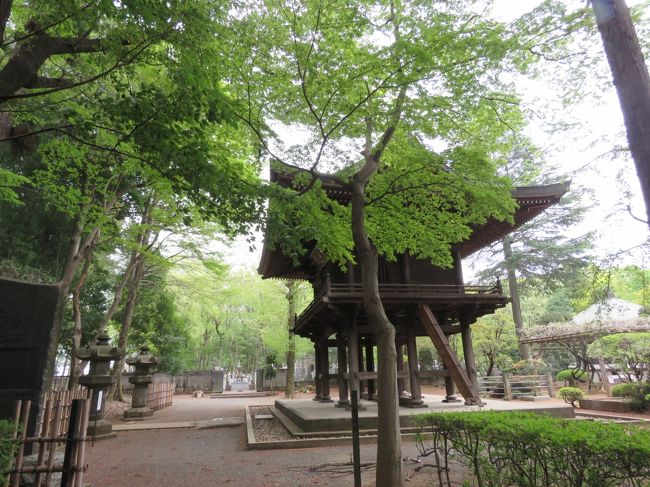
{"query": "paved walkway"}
(215, 457)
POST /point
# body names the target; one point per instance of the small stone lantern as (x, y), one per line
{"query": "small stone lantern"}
(99, 381)
(143, 363)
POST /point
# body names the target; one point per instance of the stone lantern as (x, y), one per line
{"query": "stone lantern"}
(143, 363)
(99, 381)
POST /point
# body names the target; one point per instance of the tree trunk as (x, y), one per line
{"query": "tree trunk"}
(513, 286)
(131, 300)
(75, 365)
(127, 319)
(389, 455)
(291, 346)
(632, 82)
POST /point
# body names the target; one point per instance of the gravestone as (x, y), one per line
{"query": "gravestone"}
(28, 312)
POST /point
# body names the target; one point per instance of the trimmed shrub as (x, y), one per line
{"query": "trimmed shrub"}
(571, 376)
(571, 395)
(529, 367)
(526, 449)
(637, 392)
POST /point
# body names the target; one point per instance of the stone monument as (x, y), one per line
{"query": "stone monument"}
(98, 381)
(141, 378)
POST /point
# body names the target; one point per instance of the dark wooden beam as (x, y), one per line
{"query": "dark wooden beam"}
(457, 373)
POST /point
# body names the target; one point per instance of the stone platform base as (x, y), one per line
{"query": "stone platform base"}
(311, 417)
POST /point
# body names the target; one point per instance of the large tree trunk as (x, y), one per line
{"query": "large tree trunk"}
(524, 349)
(389, 443)
(632, 82)
(75, 365)
(291, 346)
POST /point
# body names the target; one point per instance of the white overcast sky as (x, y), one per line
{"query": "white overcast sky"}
(576, 153)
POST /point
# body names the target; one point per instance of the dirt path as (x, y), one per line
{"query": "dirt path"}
(214, 457)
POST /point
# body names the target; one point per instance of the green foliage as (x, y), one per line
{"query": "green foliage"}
(571, 395)
(529, 367)
(630, 352)
(271, 364)
(427, 358)
(495, 342)
(8, 446)
(572, 375)
(526, 449)
(637, 392)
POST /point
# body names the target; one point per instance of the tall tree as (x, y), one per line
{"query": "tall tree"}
(380, 81)
(631, 80)
(540, 253)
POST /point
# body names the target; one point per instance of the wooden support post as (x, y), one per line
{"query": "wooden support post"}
(458, 374)
(343, 401)
(401, 383)
(450, 390)
(324, 371)
(353, 358)
(414, 379)
(549, 384)
(317, 372)
(507, 388)
(363, 383)
(370, 367)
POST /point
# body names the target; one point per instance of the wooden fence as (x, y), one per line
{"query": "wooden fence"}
(160, 395)
(509, 387)
(64, 422)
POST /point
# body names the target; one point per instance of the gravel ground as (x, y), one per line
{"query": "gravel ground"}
(268, 429)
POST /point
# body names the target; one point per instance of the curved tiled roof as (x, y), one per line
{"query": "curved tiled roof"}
(531, 200)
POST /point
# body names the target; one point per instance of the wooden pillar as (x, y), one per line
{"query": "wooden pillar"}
(362, 368)
(414, 379)
(342, 369)
(317, 370)
(324, 371)
(353, 358)
(370, 367)
(468, 351)
(458, 270)
(450, 390)
(400, 365)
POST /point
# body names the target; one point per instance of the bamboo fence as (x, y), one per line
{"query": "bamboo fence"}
(160, 395)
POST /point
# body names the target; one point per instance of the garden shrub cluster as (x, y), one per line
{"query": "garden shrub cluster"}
(7, 447)
(637, 392)
(530, 450)
(571, 395)
(572, 375)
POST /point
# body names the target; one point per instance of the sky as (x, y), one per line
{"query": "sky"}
(578, 153)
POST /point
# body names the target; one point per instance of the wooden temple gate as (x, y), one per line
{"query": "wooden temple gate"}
(419, 298)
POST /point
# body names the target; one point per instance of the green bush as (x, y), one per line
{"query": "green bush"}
(529, 367)
(571, 395)
(572, 375)
(7, 447)
(526, 449)
(637, 392)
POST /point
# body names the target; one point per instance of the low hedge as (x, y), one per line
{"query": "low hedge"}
(527, 449)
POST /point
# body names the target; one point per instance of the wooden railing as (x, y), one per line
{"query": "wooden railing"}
(414, 290)
(508, 386)
(398, 292)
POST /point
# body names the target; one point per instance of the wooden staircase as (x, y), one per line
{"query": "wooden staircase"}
(449, 358)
